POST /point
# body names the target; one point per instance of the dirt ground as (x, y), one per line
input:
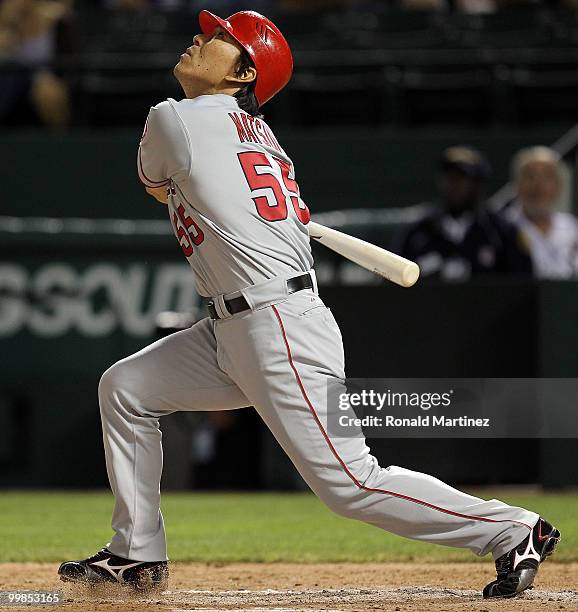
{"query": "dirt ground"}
(287, 587)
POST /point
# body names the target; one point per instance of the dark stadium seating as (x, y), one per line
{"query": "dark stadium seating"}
(445, 93)
(538, 91)
(527, 27)
(352, 67)
(390, 29)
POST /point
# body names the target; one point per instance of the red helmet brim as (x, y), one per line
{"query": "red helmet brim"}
(210, 22)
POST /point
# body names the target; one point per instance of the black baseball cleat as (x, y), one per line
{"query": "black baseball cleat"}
(104, 567)
(517, 569)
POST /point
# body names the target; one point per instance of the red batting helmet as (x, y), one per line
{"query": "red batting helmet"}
(264, 43)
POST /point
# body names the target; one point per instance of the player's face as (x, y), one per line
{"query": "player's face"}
(207, 63)
(539, 186)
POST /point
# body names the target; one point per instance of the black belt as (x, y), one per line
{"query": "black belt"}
(239, 304)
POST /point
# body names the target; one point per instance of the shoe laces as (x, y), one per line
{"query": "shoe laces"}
(98, 555)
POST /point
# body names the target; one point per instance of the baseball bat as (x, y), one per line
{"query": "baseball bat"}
(389, 265)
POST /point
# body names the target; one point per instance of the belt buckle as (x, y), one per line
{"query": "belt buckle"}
(212, 310)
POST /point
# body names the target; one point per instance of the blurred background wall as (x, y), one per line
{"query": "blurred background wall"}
(381, 92)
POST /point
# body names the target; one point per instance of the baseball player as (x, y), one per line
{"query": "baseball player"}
(269, 342)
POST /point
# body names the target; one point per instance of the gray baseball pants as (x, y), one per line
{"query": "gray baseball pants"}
(278, 358)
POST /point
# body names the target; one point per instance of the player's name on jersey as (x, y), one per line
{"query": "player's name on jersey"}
(252, 129)
(419, 421)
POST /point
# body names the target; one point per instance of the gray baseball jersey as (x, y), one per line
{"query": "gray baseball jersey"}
(237, 214)
(233, 201)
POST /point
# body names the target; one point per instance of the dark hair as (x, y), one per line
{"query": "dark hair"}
(246, 95)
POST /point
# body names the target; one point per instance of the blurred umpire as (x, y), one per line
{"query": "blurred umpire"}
(459, 239)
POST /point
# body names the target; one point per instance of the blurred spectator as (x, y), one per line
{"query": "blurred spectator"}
(32, 32)
(552, 236)
(459, 238)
